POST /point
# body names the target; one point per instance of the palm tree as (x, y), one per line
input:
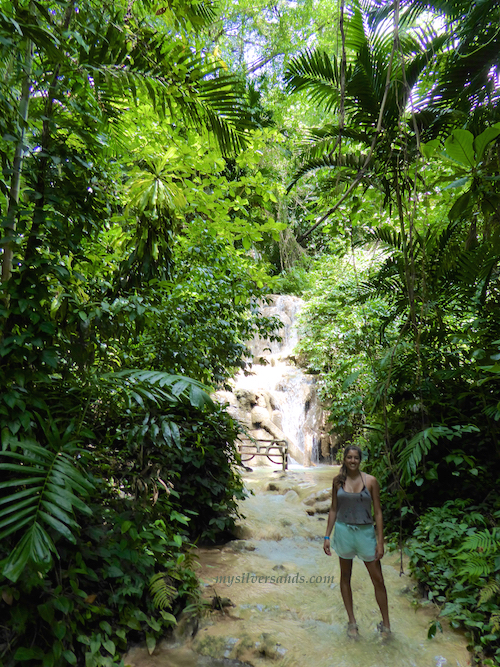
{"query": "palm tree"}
(373, 91)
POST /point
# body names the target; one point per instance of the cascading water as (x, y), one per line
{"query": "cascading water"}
(287, 392)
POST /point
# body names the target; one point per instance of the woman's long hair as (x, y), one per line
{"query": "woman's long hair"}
(341, 477)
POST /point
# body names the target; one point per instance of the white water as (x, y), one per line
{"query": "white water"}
(293, 391)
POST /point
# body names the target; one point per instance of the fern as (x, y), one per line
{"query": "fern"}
(489, 591)
(47, 490)
(479, 552)
(475, 566)
(485, 542)
(495, 621)
(413, 452)
(163, 593)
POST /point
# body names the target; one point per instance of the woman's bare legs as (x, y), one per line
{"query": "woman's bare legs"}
(375, 571)
(346, 591)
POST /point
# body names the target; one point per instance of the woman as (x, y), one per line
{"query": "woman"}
(353, 493)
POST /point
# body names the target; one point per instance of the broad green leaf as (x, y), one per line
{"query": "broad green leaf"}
(460, 206)
(125, 526)
(483, 139)
(109, 646)
(70, 657)
(459, 147)
(350, 379)
(199, 398)
(180, 386)
(150, 643)
(22, 654)
(167, 616)
(35, 544)
(429, 148)
(105, 626)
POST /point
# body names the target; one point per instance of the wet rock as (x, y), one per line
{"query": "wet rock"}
(318, 497)
(237, 546)
(220, 603)
(268, 647)
(320, 508)
(291, 497)
(279, 489)
(167, 655)
(186, 628)
(323, 508)
(440, 661)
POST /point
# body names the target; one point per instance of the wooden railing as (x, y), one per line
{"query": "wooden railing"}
(270, 448)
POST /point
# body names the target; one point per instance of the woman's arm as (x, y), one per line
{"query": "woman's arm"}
(379, 521)
(332, 515)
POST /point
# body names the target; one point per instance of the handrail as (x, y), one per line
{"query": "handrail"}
(257, 449)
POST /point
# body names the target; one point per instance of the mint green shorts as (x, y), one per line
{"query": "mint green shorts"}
(351, 540)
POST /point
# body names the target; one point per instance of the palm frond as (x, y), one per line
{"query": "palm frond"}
(49, 487)
(352, 162)
(411, 453)
(315, 72)
(158, 386)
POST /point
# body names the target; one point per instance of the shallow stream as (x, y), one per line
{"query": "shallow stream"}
(282, 599)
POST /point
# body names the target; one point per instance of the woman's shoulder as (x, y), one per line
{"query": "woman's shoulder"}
(370, 481)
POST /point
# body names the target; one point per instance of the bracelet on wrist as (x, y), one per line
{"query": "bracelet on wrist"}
(327, 537)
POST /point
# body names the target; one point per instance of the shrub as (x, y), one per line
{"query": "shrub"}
(455, 554)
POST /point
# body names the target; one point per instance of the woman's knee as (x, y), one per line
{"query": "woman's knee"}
(345, 576)
(375, 570)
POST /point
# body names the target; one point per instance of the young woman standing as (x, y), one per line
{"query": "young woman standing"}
(354, 494)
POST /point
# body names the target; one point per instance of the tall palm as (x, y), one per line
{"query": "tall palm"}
(382, 69)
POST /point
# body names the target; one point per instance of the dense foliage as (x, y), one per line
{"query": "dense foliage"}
(407, 349)
(130, 196)
(109, 517)
(159, 164)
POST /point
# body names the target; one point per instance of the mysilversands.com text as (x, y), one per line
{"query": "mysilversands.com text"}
(250, 578)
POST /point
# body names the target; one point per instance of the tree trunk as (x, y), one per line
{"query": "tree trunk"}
(17, 166)
(38, 213)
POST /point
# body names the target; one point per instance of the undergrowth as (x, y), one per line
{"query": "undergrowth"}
(455, 555)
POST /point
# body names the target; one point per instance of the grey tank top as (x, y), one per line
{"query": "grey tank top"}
(354, 508)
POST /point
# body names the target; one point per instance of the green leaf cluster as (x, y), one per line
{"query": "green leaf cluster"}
(454, 554)
(119, 503)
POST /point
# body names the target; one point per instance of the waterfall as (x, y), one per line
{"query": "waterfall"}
(275, 383)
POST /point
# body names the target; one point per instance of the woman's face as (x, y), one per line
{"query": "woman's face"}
(352, 459)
